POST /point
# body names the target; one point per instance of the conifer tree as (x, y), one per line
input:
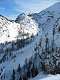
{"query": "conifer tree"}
(19, 68)
(13, 75)
(53, 39)
(47, 44)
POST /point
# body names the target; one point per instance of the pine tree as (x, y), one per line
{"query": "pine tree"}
(53, 39)
(19, 68)
(36, 71)
(28, 72)
(12, 44)
(43, 66)
(33, 71)
(26, 63)
(18, 43)
(13, 75)
(47, 44)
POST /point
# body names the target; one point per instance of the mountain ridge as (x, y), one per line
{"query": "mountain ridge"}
(43, 50)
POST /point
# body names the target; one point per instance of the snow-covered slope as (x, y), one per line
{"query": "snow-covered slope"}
(49, 19)
(10, 30)
(27, 26)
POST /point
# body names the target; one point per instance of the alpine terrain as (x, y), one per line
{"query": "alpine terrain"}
(30, 46)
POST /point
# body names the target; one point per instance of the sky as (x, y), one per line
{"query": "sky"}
(12, 8)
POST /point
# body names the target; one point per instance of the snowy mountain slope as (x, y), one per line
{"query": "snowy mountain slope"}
(27, 23)
(21, 55)
(20, 17)
(10, 30)
(46, 20)
(49, 19)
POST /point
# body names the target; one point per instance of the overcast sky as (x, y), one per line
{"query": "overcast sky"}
(11, 8)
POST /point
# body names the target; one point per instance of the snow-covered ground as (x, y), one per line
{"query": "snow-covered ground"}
(42, 76)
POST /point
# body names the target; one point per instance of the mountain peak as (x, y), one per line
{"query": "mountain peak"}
(20, 17)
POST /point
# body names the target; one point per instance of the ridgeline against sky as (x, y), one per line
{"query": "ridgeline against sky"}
(11, 8)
